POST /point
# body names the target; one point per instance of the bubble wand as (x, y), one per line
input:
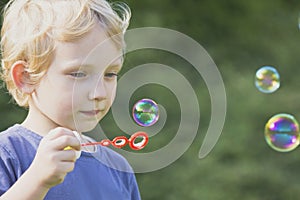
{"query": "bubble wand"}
(122, 141)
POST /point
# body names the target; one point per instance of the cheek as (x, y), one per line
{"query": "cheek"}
(64, 108)
(113, 91)
(64, 100)
(79, 94)
(66, 105)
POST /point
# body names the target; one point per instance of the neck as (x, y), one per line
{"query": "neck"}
(38, 122)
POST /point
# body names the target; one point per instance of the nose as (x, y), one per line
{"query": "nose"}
(99, 92)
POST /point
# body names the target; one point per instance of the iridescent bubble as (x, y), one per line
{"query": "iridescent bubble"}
(299, 21)
(145, 112)
(267, 79)
(282, 132)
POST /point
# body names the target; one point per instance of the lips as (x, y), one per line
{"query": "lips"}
(91, 112)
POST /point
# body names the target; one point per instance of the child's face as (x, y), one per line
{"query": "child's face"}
(80, 84)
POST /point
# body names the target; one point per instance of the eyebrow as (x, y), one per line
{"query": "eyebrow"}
(76, 64)
(116, 64)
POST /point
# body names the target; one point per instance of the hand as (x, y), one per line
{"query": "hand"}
(52, 163)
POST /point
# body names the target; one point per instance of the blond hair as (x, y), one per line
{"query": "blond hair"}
(31, 28)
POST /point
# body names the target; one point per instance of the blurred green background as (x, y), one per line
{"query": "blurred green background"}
(240, 36)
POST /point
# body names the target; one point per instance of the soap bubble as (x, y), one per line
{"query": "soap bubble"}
(267, 79)
(145, 112)
(282, 132)
(299, 21)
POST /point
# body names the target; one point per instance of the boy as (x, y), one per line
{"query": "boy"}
(53, 65)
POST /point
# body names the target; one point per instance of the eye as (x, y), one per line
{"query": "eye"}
(111, 75)
(78, 74)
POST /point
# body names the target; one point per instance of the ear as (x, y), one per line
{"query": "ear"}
(20, 77)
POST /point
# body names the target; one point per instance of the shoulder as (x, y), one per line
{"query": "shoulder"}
(18, 143)
(17, 135)
(16, 153)
(9, 160)
(9, 136)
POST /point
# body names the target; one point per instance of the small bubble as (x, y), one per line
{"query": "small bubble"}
(267, 79)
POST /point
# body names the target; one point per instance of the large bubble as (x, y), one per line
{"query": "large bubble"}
(145, 112)
(282, 132)
(267, 79)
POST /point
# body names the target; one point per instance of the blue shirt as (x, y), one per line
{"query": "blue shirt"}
(95, 176)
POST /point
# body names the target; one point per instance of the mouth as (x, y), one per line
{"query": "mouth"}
(91, 112)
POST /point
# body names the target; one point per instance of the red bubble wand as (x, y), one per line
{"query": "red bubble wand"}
(122, 141)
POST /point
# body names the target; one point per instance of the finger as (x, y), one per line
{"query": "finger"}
(58, 132)
(69, 166)
(66, 141)
(77, 152)
(67, 156)
(66, 167)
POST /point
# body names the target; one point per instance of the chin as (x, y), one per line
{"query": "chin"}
(85, 127)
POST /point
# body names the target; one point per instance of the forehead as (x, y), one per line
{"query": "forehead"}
(93, 48)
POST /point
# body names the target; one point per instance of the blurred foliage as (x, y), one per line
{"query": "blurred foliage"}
(240, 36)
